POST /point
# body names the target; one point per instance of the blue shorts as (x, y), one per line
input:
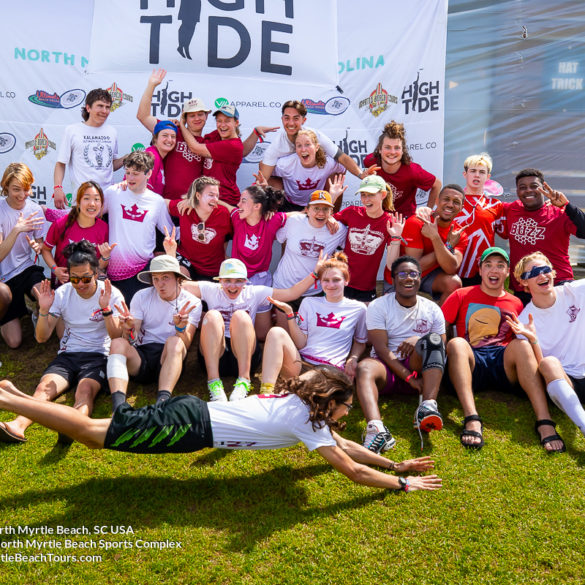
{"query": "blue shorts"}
(489, 372)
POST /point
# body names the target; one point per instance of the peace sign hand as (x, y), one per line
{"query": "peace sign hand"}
(125, 317)
(181, 318)
(557, 198)
(170, 243)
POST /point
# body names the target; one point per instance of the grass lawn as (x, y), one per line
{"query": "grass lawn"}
(508, 514)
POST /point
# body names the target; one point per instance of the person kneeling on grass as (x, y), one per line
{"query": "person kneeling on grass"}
(309, 412)
(84, 305)
(162, 319)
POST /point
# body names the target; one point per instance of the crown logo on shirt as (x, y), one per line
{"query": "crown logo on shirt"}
(307, 185)
(310, 248)
(134, 213)
(330, 320)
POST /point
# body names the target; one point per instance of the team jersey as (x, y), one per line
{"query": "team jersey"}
(181, 168)
(226, 158)
(282, 146)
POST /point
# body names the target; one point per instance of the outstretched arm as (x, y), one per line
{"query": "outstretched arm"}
(143, 113)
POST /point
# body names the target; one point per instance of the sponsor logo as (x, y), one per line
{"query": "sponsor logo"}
(67, 100)
(7, 142)
(357, 149)
(378, 101)
(527, 231)
(133, 213)
(358, 63)
(8, 95)
(221, 102)
(40, 145)
(168, 103)
(138, 146)
(332, 107)
(45, 56)
(257, 153)
(118, 96)
(573, 311)
(247, 104)
(421, 96)
(330, 320)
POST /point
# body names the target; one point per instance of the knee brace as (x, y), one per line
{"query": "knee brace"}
(116, 367)
(432, 350)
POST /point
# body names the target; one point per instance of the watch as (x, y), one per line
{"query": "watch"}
(404, 484)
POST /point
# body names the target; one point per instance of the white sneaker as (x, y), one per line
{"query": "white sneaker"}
(241, 389)
(216, 391)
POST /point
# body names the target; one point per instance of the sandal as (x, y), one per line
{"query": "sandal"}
(469, 433)
(550, 438)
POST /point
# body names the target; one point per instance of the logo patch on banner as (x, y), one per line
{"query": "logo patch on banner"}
(40, 145)
(357, 149)
(168, 103)
(378, 101)
(421, 96)
(7, 142)
(118, 96)
(332, 107)
(67, 100)
(257, 153)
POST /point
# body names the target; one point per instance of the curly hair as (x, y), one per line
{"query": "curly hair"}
(320, 156)
(338, 260)
(393, 130)
(19, 172)
(269, 198)
(74, 213)
(326, 384)
(140, 161)
(79, 253)
(197, 187)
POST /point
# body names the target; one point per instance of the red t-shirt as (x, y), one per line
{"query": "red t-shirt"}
(252, 244)
(206, 255)
(547, 230)
(182, 167)
(226, 158)
(96, 234)
(481, 318)
(364, 245)
(405, 182)
(477, 218)
(414, 239)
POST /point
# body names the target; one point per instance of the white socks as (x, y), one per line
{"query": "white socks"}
(566, 399)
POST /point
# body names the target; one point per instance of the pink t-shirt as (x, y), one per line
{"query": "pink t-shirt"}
(226, 158)
(253, 243)
(156, 183)
(182, 167)
(96, 234)
(405, 182)
(364, 245)
(205, 255)
(547, 230)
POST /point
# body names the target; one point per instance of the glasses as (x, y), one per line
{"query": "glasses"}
(347, 405)
(78, 279)
(237, 284)
(408, 274)
(200, 231)
(536, 271)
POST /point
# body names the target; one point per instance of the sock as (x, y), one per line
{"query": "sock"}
(432, 404)
(118, 398)
(210, 382)
(162, 395)
(266, 388)
(376, 424)
(566, 399)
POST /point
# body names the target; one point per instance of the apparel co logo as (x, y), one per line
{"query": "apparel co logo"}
(378, 101)
(7, 142)
(40, 145)
(67, 100)
(333, 106)
(118, 96)
(190, 14)
(421, 96)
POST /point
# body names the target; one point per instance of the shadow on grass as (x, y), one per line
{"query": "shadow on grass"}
(250, 509)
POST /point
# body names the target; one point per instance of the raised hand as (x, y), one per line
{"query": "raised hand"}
(181, 318)
(263, 130)
(336, 187)
(527, 330)
(125, 317)
(396, 225)
(105, 250)
(260, 179)
(106, 294)
(320, 261)
(371, 171)
(557, 198)
(430, 230)
(453, 236)
(170, 243)
(45, 296)
(157, 76)
(29, 223)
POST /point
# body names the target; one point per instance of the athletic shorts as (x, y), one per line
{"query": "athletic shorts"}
(150, 354)
(74, 366)
(178, 425)
(21, 285)
(426, 283)
(228, 364)
(395, 385)
(489, 372)
(579, 386)
(129, 287)
(365, 296)
(194, 275)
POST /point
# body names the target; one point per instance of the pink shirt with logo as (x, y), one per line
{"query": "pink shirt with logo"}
(181, 167)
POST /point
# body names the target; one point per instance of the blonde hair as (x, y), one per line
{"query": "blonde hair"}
(388, 203)
(19, 172)
(479, 159)
(520, 267)
(197, 186)
(320, 156)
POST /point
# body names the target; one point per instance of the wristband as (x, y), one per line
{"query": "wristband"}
(180, 329)
(391, 466)
(58, 187)
(258, 135)
(105, 259)
(107, 313)
(412, 375)
(107, 309)
(449, 247)
(315, 275)
(404, 484)
(53, 267)
(534, 342)
(290, 316)
(43, 314)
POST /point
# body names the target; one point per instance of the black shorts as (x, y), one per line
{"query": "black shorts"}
(579, 386)
(193, 271)
(365, 296)
(288, 206)
(150, 354)
(228, 364)
(489, 372)
(21, 285)
(178, 425)
(129, 287)
(74, 366)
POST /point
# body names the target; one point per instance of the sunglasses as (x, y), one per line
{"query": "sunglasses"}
(408, 274)
(200, 231)
(536, 271)
(78, 279)
(348, 406)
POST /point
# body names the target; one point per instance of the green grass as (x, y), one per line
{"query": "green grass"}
(508, 514)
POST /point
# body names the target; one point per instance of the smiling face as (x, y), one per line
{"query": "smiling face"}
(247, 207)
(318, 214)
(391, 151)
(90, 204)
(449, 204)
(406, 280)
(232, 287)
(306, 150)
(333, 283)
(83, 271)
(166, 285)
(195, 121)
(208, 199)
(493, 271)
(16, 194)
(540, 284)
(226, 126)
(475, 178)
(98, 113)
(292, 122)
(373, 202)
(527, 190)
(165, 141)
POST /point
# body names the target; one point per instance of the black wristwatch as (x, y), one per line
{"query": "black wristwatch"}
(404, 484)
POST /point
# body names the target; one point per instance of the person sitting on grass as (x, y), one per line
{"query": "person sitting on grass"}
(485, 354)
(553, 324)
(332, 329)
(84, 304)
(407, 332)
(162, 320)
(309, 412)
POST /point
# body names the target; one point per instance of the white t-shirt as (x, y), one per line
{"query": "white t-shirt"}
(265, 422)
(561, 328)
(133, 220)
(89, 153)
(281, 146)
(20, 256)
(249, 300)
(331, 329)
(400, 322)
(303, 244)
(85, 329)
(299, 182)
(157, 315)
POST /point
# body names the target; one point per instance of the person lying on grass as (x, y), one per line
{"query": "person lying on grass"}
(308, 410)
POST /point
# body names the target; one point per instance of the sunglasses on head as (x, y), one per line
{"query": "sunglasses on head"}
(78, 279)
